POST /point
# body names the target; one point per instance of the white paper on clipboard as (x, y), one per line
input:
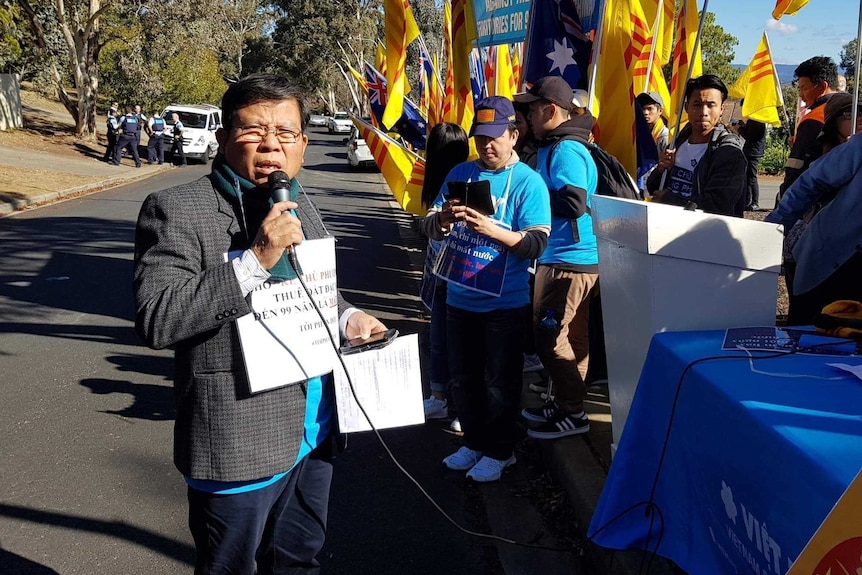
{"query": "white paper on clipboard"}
(388, 383)
(283, 340)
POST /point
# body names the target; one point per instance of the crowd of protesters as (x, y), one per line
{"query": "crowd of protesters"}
(514, 283)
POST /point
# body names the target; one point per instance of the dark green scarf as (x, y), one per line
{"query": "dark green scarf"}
(255, 205)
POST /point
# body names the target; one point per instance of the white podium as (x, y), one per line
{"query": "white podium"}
(662, 268)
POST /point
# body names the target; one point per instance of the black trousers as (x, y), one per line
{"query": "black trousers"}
(178, 152)
(109, 149)
(753, 193)
(280, 528)
(486, 364)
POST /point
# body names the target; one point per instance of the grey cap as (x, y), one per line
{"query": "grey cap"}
(647, 98)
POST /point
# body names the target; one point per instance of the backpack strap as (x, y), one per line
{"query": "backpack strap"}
(558, 142)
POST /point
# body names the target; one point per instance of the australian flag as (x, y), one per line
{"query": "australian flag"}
(411, 126)
(557, 44)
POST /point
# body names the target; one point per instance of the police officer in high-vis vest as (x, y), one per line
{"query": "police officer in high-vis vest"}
(156, 146)
(177, 147)
(130, 127)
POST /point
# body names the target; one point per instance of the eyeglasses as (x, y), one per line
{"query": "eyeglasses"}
(256, 133)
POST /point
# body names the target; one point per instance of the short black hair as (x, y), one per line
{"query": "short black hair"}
(706, 82)
(819, 69)
(262, 88)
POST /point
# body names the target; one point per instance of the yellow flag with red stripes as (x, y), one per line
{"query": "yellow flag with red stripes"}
(643, 35)
(449, 109)
(659, 17)
(613, 105)
(758, 84)
(403, 170)
(517, 68)
(683, 54)
(401, 29)
(504, 76)
(788, 7)
(360, 79)
(380, 58)
(463, 34)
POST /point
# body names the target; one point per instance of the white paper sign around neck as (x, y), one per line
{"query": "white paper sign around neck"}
(283, 340)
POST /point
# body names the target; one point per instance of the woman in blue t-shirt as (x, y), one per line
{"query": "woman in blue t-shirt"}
(484, 260)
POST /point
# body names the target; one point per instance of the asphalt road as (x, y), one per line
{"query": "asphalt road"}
(88, 484)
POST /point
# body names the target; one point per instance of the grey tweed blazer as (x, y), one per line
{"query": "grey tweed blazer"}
(188, 298)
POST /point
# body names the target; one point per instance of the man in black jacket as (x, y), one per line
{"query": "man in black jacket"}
(754, 134)
(706, 167)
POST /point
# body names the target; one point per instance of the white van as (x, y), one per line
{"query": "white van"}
(200, 123)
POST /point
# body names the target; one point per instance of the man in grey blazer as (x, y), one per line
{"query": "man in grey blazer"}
(258, 466)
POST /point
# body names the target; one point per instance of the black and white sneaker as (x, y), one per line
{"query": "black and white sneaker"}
(540, 414)
(560, 426)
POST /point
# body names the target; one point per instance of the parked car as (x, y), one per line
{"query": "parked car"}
(358, 153)
(317, 121)
(340, 123)
(200, 123)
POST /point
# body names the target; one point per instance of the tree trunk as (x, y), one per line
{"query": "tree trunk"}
(83, 47)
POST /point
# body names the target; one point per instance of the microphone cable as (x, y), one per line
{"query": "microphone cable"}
(488, 536)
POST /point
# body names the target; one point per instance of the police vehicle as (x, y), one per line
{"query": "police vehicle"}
(200, 122)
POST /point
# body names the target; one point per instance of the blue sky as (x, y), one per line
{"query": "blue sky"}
(822, 27)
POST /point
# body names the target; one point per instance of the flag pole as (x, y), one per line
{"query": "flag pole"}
(653, 46)
(855, 112)
(525, 45)
(691, 62)
(778, 82)
(687, 78)
(594, 64)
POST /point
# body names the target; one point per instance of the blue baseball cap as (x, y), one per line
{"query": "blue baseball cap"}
(494, 115)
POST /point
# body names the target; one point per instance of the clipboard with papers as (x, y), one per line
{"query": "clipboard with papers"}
(388, 384)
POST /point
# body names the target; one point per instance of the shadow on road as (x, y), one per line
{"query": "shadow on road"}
(117, 529)
(11, 563)
(88, 269)
(149, 402)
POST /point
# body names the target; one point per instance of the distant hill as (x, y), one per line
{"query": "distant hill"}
(785, 71)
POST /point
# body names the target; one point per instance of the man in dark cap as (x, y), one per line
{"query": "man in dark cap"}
(568, 269)
(485, 260)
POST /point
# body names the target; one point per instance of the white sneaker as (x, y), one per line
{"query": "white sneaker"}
(455, 425)
(489, 469)
(463, 459)
(436, 408)
(532, 363)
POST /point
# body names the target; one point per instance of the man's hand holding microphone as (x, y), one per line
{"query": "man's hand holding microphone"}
(280, 229)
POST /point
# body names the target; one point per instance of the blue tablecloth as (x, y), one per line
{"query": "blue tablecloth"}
(754, 463)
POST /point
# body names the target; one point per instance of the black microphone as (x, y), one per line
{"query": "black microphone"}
(279, 191)
(279, 186)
